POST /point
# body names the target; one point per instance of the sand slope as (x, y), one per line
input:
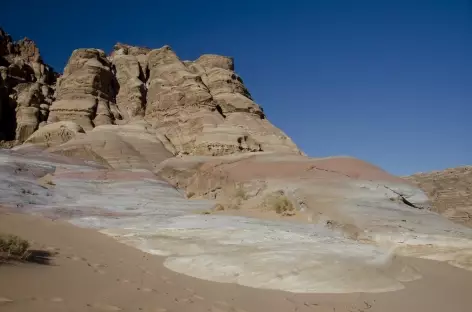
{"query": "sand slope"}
(93, 272)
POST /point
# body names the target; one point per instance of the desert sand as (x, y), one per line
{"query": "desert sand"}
(89, 271)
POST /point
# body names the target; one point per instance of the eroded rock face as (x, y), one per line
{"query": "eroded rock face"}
(26, 88)
(450, 191)
(55, 133)
(86, 92)
(203, 107)
(130, 146)
(196, 107)
(130, 70)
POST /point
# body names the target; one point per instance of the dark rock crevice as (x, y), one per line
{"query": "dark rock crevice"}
(403, 198)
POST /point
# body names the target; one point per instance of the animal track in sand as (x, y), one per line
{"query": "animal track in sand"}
(190, 290)
(144, 270)
(183, 300)
(194, 294)
(4, 300)
(104, 307)
(166, 280)
(96, 267)
(198, 297)
(223, 306)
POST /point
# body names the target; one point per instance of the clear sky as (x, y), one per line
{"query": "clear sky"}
(387, 81)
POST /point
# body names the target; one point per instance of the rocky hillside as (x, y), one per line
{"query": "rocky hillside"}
(450, 191)
(196, 107)
(161, 131)
(26, 88)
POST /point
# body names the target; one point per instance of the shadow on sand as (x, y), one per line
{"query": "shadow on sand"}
(42, 257)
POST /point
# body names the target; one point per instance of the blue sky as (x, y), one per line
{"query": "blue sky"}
(387, 81)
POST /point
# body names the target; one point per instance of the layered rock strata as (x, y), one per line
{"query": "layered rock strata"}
(450, 191)
(26, 88)
(195, 108)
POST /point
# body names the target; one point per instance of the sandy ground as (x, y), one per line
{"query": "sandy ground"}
(93, 272)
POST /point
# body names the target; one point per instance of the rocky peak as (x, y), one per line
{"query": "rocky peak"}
(126, 49)
(199, 107)
(28, 50)
(6, 44)
(216, 61)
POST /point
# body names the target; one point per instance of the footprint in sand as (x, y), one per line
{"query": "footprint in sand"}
(190, 290)
(96, 267)
(194, 295)
(198, 297)
(166, 280)
(223, 306)
(4, 300)
(188, 300)
(144, 270)
(105, 307)
(99, 271)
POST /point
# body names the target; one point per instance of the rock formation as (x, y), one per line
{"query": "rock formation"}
(86, 92)
(450, 191)
(130, 70)
(195, 108)
(26, 88)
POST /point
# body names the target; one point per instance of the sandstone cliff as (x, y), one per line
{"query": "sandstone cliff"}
(197, 108)
(450, 191)
(26, 88)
